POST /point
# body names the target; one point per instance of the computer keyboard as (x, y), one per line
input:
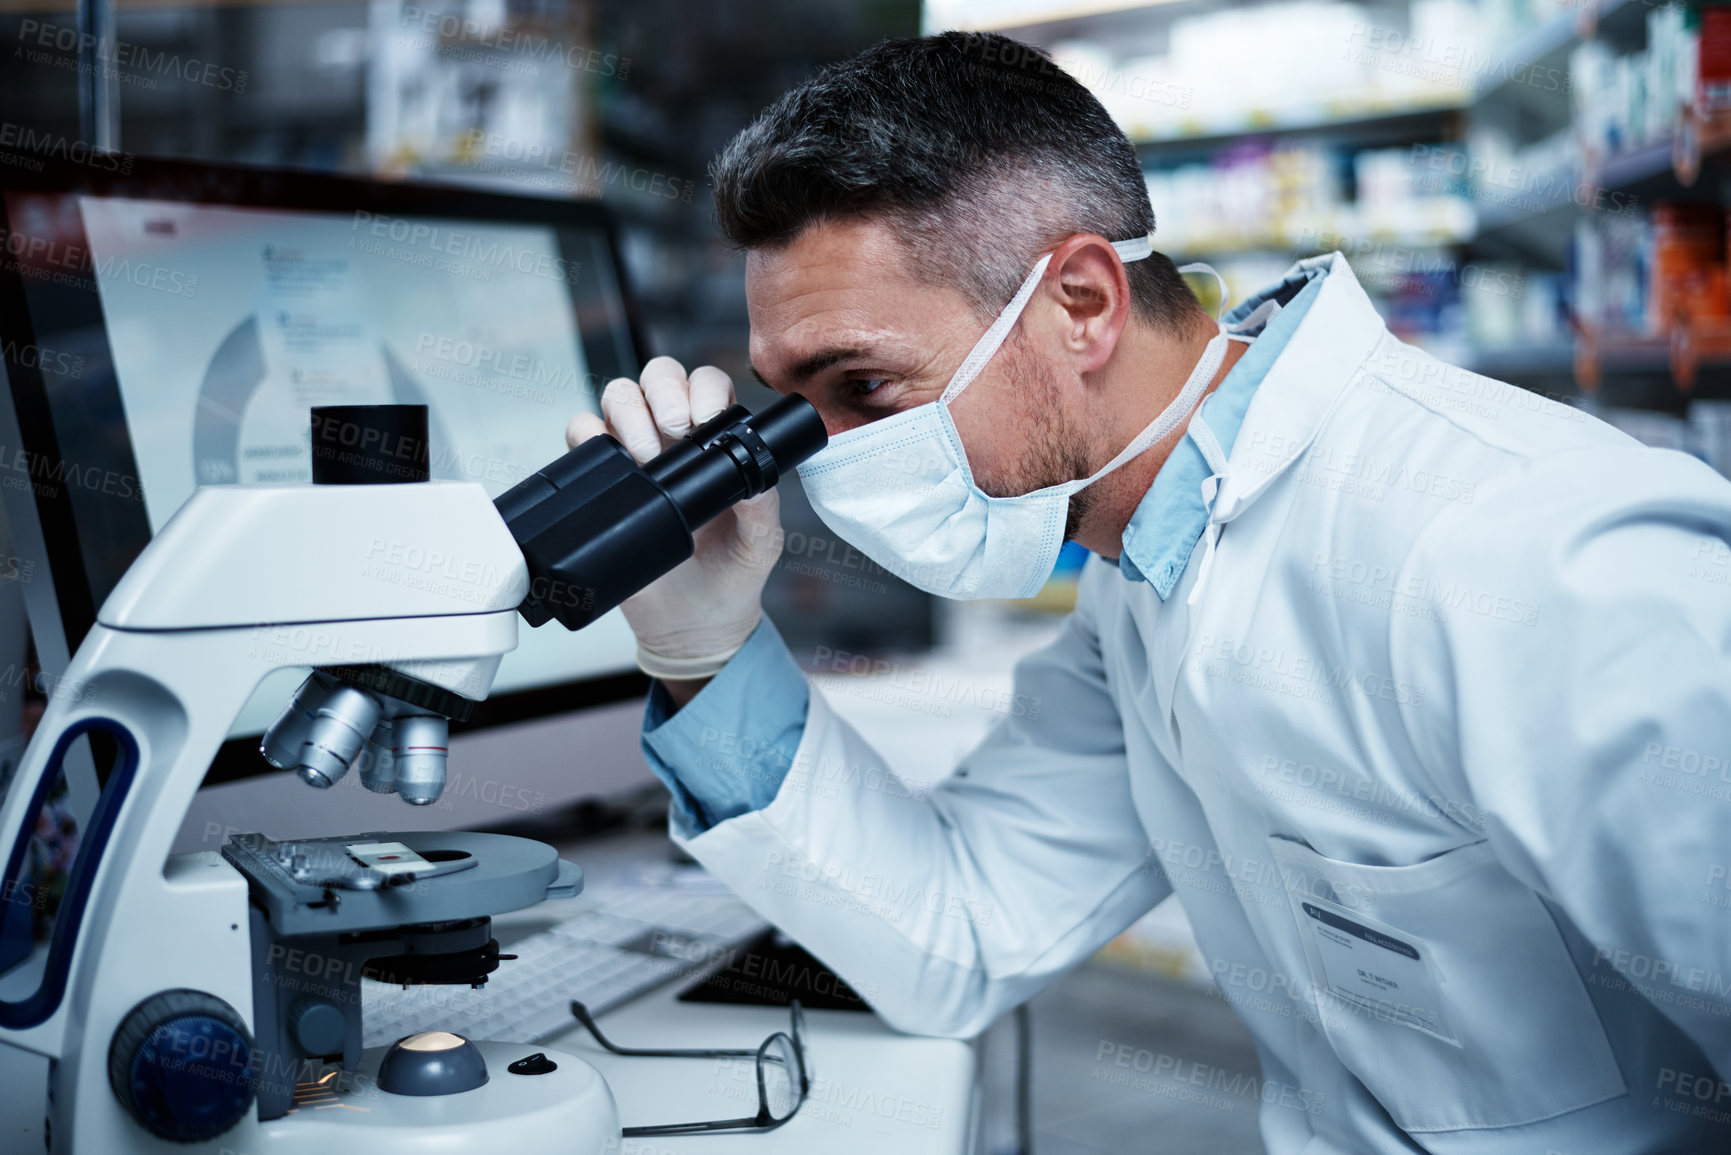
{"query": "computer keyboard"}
(621, 944)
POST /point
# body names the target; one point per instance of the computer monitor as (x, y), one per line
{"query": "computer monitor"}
(167, 325)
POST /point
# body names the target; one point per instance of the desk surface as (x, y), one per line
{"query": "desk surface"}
(874, 1089)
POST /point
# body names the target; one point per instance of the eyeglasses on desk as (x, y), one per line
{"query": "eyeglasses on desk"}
(783, 1080)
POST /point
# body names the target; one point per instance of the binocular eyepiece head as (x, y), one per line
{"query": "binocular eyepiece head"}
(595, 527)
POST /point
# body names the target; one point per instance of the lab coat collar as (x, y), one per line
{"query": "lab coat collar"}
(1321, 359)
(1173, 515)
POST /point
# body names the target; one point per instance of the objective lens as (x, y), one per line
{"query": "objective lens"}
(339, 728)
(281, 745)
(378, 761)
(421, 748)
(332, 725)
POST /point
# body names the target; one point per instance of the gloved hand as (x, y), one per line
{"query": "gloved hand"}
(693, 619)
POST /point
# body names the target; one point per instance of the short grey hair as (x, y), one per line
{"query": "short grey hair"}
(976, 149)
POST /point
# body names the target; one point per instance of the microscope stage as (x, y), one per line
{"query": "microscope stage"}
(329, 885)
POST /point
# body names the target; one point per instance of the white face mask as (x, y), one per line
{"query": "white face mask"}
(900, 491)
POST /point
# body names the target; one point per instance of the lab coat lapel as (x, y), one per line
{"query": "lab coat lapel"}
(1323, 357)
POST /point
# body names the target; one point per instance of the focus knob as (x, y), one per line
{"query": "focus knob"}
(181, 1064)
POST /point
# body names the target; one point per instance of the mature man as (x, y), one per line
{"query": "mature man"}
(1414, 688)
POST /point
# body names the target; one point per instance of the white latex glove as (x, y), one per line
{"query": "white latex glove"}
(690, 621)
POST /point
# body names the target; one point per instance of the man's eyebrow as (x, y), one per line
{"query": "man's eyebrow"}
(803, 371)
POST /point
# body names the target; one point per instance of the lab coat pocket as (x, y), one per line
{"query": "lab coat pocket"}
(1446, 988)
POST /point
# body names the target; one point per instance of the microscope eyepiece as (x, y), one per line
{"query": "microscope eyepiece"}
(790, 428)
(595, 527)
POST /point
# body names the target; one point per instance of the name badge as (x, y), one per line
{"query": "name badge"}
(1377, 970)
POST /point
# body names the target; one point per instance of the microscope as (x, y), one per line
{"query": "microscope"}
(210, 1002)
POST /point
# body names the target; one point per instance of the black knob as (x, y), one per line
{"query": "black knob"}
(318, 1026)
(181, 1065)
(536, 1064)
(370, 444)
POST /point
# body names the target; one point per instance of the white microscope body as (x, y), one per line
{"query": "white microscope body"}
(423, 580)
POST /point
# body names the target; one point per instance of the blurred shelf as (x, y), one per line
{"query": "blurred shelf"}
(1528, 48)
(998, 16)
(1632, 354)
(1340, 119)
(1633, 167)
(1549, 359)
(1549, 39)
(1678, 155)
(513, 179)
(1682, 354)
(1294, 242)
(1625, 369)
(1636, 165)
(1622, 21)
(1495, 216)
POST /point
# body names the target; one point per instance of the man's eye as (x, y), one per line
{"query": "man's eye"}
(862, 386)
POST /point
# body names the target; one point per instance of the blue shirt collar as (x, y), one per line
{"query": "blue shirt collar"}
(1170, 519)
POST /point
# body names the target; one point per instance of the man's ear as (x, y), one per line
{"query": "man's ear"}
(1089, 290)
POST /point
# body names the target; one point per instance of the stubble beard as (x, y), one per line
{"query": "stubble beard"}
(1057, 452)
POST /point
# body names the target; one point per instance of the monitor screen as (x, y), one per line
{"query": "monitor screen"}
(177, 325)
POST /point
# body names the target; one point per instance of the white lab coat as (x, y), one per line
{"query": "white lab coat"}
(1460, 668)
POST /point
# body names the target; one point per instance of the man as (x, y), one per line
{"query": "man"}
(1413, 687)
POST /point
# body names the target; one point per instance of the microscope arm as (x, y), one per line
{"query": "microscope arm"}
(167, 700)
(177, 651)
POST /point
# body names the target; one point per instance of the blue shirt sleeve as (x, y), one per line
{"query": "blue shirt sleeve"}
(726, 753)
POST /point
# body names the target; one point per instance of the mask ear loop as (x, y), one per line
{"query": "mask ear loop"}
(993, 337)
(1204, 267)
(1200, 377)
(1134, 249)
(1215, 456)
(1212, 453)
(1175, 413)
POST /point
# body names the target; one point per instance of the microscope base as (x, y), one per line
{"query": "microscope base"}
(568, 1111)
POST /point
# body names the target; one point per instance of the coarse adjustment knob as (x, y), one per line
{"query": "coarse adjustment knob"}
(181, 1064)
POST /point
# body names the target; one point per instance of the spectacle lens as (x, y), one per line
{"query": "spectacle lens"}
(778, 1068)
